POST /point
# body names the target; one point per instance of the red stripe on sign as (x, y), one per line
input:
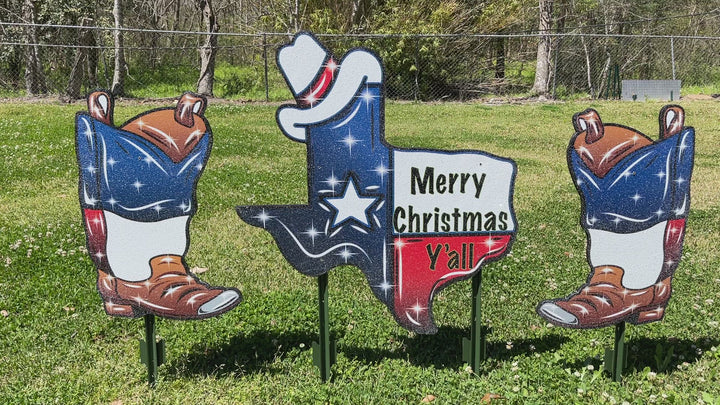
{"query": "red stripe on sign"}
(424, 265)
(319, 88)
(674, 234)
(96, 237)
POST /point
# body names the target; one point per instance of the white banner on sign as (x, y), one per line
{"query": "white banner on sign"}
(451, 192)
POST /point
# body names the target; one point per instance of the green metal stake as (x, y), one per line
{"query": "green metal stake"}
(152, 352)
(616, 360)
(324, 352)
(475, 348)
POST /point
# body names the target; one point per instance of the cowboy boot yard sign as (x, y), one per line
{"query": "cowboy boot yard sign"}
(137, 194)
(635, 196)
(414, 221)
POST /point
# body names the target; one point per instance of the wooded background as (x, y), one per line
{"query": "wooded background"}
(432, 49)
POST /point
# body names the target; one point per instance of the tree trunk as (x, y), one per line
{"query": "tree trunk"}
(93, 54)
(85, 41)
(15, 67)
(588, 68)
(296, 16)
(176, 22)
(358, 12)
(76, 75)
(118, 84)
(34, 75)
(542, 71)
(499, 58)
(604, 75)
(208, 50)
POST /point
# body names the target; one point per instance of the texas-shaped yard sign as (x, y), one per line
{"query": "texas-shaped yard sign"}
(414, 221)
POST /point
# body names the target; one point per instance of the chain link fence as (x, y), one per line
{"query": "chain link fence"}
(72, 60)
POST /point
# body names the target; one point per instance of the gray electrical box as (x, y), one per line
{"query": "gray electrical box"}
(642, 90)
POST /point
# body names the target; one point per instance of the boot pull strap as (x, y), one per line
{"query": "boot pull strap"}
(672, 119)
(101, 105)
(589, 120)
(189, 105)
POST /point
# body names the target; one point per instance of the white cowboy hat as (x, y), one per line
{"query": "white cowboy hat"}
(302, 61)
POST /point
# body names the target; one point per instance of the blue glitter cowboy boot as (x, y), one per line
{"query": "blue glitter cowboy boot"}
(137, 192)
(635, 199)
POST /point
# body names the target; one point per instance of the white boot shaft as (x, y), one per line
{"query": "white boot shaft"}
(639, 254)
(131, 244)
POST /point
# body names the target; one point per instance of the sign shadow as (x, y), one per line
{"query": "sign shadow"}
(444, 349)
(242, 354)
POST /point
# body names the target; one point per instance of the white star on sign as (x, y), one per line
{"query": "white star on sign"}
(351, 206)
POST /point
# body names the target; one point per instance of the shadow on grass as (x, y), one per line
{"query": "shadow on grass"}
(243, 354)
(665, 355)
(444, 349)
(660, 355)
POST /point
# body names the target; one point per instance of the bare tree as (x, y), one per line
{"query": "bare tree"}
(208, 50)
(118, 84)
(499, 50)
(350, 15)
(85, 61)
(542, 71)
(296, 16)
(588, 67)
(34, 75)
(93, 55)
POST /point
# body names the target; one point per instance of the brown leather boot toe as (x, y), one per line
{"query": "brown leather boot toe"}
(170, 292)
(603, 301)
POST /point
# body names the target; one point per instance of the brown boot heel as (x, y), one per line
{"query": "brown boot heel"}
(129, 311)
(651, 315)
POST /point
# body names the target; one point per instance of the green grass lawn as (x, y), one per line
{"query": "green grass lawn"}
(58, 346)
